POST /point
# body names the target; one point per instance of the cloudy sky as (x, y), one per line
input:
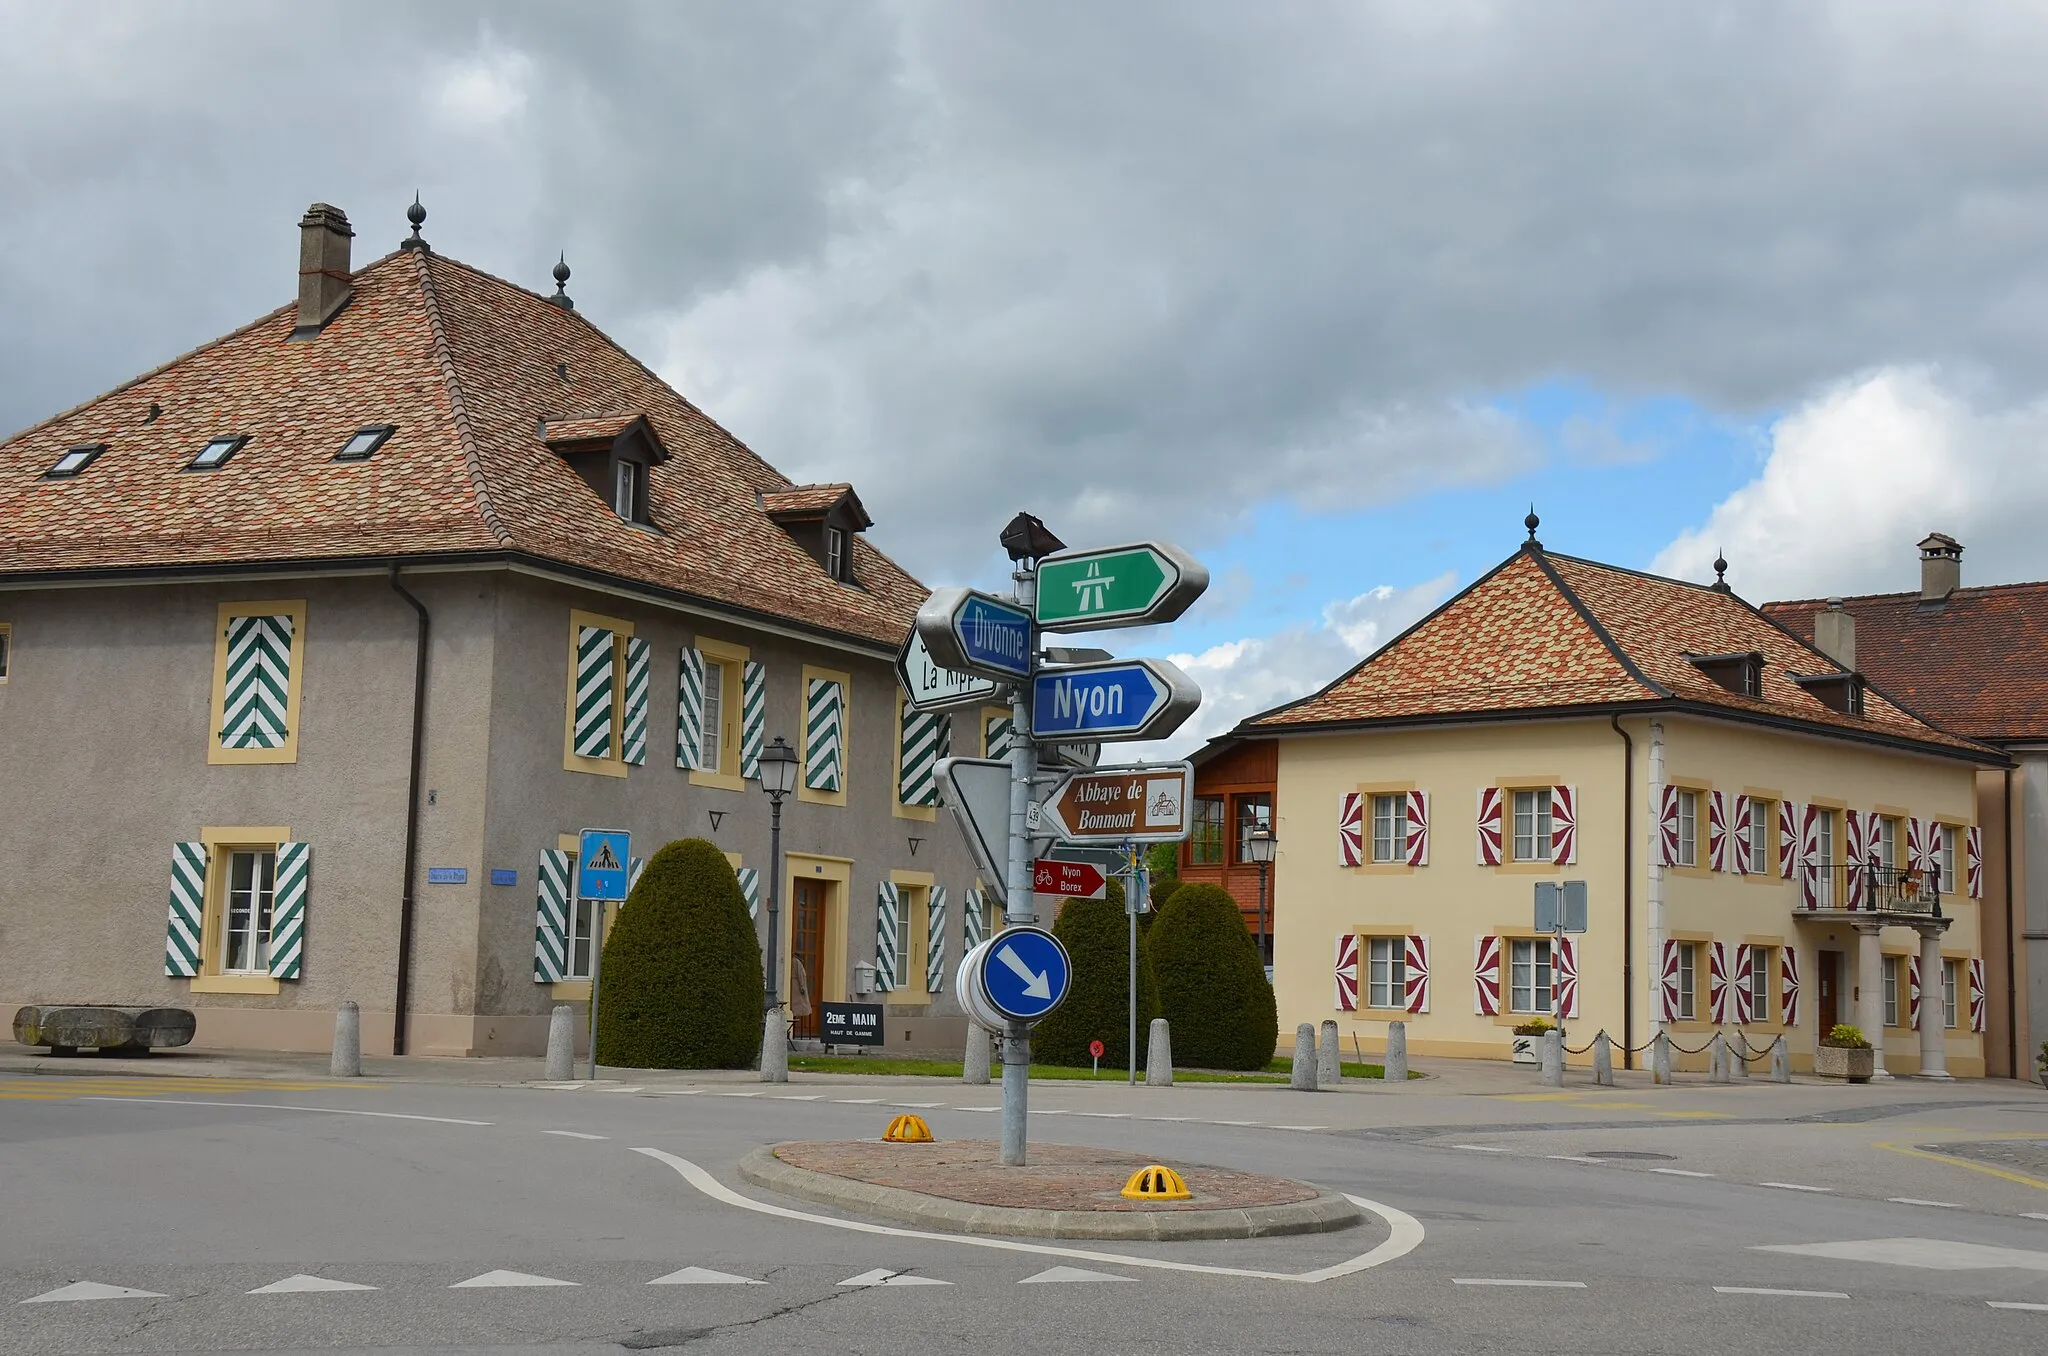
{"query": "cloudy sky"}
(1329, 293)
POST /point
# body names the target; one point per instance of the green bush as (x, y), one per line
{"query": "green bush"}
(1212, 987)
(1162, 891)
(681, 984)
(1843, 1036)
(1163, 861)
(1096, 933)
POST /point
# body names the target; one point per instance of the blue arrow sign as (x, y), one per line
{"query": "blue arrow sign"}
(1122, 699)
(1025, 973)
(994, 635)
(602, 864)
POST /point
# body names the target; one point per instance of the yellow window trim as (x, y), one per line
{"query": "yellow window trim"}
(287, 752)
(220, 841)
(831, 986)
(915, 946)
(803, 792)
(217, 983)
(923, 813)
(732, 660)
(615, 765)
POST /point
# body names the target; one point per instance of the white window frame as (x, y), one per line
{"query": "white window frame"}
(712, 736)
(1824, 888)
(1530, 957)
(628, 489)
(1949, 978)
(259, 907)
(582, 920)
(1891, 990)
(1759, 984)
(1688, 828)
(1532, 825)
(1389, 828)
(1757, 837)
(1386, 965)
(835, 552)
(1887, 842)
(1688, 980)
(1944, 856)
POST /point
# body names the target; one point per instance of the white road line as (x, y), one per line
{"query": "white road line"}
(1577, 1158)
(2018, 1304)
(1107, 1115)
(1301, 1127)
(918, 1106)
(1404, 1233)
(493, 1280)
(858, 1101)
(1068, 1275)
(1480, 1148)
(739, 1094)
(1788, 1294)
(1250, 1123)
(1053, 1111)
(884, 1276)
(302, 1284)
(618, 1089)
(702, 1276)
(798, 1097)
(2032, 1214)
(1915, 1200)
(1794, 1186)
(1540, 1285)
(275, 1106)
(1681, 1172)
(977, 1108)
(89, 1290)
(574, 1134)
(675, 1092)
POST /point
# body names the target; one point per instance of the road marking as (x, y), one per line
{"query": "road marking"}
(2032, 1214)
(618, 1089)
(761, 1093)
(1538, 1285)
(1794, 1186)
(883, 1276)
(1251, 1123)
(558, 1087)
(1480, 1148)
(798, 1097)
(1061, 1275)
(977, 1108)
(492, 1280)
(857, 1101)
(1681, 1172)
(1404, 1233)
(90, 1290)
(1929, 1254)
(2018, 1304)
(1053, 1111)
(675, 1092)
(303, 1284)
(702, 1276)
(1788, 1294)
(1577, 1158)
(1915, 1200)
(574, 1134)
(1102, 1115)
(918, 1106)
(276, 1106)
(2018, 1177)
(1300, 1127)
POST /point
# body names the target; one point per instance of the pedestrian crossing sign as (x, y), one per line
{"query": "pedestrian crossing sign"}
(601, 864)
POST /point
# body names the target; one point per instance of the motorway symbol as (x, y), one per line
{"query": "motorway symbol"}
(601, 864)
(1136, 585)
(974, 633)
(933, 688)
(1025, 973)
(1122, 699)
(977, 791)
(1068, 880)
(1144, 804)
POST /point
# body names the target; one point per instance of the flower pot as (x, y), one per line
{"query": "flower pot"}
(1524, 1050)
(1839, 1061)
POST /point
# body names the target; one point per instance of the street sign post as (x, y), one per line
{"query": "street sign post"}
(603, 875)
(1140, 804)
(1138, 585)
(1025, 973)
(977, 791)
(1068, 880)
(974, 633)
(1123, 699)
(933, 688)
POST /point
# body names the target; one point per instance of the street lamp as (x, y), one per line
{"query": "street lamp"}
(778, 779)
(1258, 847)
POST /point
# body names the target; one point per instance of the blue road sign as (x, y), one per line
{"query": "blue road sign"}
(1121, 699)
(601, 864)
(1025, 973)
(994, 635)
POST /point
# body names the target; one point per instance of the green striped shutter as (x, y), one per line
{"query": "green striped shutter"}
(690, 709)
(924, 743)
(551, 918)
(634, 866)
(972, 920)
(888, 935)
(753, 717)
(996, 736)
(188, 909)
(258, 682)
(288, 910)
(593, 737)
(750, 886)
(935, 942)
(639, 660)
(824, 735)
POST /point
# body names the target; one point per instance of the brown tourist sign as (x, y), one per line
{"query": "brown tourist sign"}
(1146, 803)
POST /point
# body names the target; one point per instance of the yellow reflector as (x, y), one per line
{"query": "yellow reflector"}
(908, 1130)
(1156, 1183)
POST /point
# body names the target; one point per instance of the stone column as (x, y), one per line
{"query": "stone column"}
(1603, 1060)
(1159, 1055)
(1304, 1077)
(974, 1067)
(562, 1044)
(1395, 1070)
(1329, 1057)
(345, 1060)
(1933, 1031)
(1870, 995)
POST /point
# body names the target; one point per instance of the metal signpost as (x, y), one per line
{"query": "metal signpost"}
(1560, 908)
(603, 875)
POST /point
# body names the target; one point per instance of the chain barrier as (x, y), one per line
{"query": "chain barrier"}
(1700, 1051)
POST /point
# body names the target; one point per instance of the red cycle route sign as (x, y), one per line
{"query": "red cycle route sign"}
(1069, 880)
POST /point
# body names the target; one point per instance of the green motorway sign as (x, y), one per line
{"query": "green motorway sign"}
(1116, 586)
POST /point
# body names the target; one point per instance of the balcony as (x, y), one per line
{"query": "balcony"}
(1845, 889)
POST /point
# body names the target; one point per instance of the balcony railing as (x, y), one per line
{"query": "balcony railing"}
(1876, 888)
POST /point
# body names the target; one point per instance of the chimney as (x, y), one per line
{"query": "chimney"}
(1834, 634)
(1941, 567)
(324, 283)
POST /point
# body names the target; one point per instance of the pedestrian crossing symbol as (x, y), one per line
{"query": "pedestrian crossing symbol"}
(601, 864)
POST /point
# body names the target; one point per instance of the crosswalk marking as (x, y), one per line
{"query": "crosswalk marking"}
(883, 1276)
(1577, 1158)
(303, 1284)
(1681, 1172)
(1516, 1281)
(1794, 1186)
(1915, 1200)
(574, 1134)
(51, 1088)
(492, 1280)
(2018, 1304)
(89, 1290)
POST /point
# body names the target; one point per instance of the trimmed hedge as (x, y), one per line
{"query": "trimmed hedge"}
(1212, 987)
(681, 986)
(1096, 933)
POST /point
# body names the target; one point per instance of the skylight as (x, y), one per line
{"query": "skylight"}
(215, 454)
(74, 461)
(364, 442)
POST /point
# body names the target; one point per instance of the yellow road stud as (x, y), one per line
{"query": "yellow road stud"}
(908, 1129)
(1156, 1183)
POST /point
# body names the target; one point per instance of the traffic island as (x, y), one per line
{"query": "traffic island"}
(1066, 1191)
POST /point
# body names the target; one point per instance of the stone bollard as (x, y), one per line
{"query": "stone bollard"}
(1550, 1059)
(1395, 1070)
(975, 1069)
(347, 1059)
(1660, 1059)
(562, 1044)
(1717, 1059)
(1159, 1055)
(1303, 1078)
(1781, 1061)
(775, 1047)
(1603, 1060)
(1738, 1055)
(1329, 1058)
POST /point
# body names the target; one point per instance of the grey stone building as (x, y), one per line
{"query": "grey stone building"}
(318, 642)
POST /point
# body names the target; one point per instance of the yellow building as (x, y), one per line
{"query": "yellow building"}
(1767, 843)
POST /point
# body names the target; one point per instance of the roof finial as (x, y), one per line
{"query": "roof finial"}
(1721, 571)
(561, 296)
(1532, 522)
(417, 215)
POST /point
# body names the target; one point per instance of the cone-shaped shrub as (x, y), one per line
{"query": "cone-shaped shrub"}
(681, 986)
(1096, 933)
(1212, 987)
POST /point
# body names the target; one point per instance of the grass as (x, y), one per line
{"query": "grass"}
(1278, 1071)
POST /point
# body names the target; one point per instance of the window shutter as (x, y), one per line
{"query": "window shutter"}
(188, 910)
(1667, 826)
(1717, 980)
(1788, 838)
(1350, 829)
(1913, 992)
(1564, 971)
(1744, 958)
(923, 731)
(1564, 825)
(1347, 972)
(258, 686)
(1418, 828)
(935, 941)
(824, 735)
(1486, 977)
(1916, 843)
(634, 866)
(551, 917)
(1717, 830)
(690, 709)
(1977, 996)
(1810, 864)
(1415, 964)
(1855, 848)
(639, 660)
(973, 911)
(753, 717)
(288, 910)
(1744, 812)
(1489, 831)
(593, 727)
(996, 736)
(888, 935)
(1973, 860)
(1788, 986)
(750, 889)
(1667, 983)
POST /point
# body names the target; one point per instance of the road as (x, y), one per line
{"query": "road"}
(471, 1217)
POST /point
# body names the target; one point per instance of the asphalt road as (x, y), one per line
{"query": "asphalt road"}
(203, 1194)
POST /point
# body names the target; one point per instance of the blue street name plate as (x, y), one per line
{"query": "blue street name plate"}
(447, 875)
(1026, 973)
(994, 635)
(601, 864)
(504, 875)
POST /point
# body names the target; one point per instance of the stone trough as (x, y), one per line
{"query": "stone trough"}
(111, 1031)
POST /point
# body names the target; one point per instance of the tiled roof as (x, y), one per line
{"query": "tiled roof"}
(596, 428)
(1545, 632)
(805, 499)
(1977, 664)
(465, 365)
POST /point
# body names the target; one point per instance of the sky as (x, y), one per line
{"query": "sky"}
(1328, 293)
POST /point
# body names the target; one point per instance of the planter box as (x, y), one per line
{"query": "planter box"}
(1524, 1050)
(1833, 1061)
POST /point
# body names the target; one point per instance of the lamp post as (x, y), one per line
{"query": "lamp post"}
(778, 779)
(1258, 847)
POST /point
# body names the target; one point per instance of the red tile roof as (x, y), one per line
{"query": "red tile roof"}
(805, 499)
(1977, 664)
(465, 365)
(1543, 633)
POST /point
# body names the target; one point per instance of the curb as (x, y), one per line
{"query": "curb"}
(1325, 1213)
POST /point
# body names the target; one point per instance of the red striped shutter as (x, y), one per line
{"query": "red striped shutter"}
(1564, 973)
(1788, 986)
(1810, 864)
(1418, 828)
(1744, 958)
(1788, 838)
(1564, 825)
(1856, 852)
(1973, 861)
(1913, 992)
(1717, 980)
(1743, 811)
(1350, 829)
(1489, 825)
(1415, 962)
(1667, 983)
(1717, 830)
(1977, 996)
(1667, 827)
(1916, 843)
(1347, 972)
(1486, 977)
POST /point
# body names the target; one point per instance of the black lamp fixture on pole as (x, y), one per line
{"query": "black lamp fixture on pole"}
(778, 779)
(1258, 847)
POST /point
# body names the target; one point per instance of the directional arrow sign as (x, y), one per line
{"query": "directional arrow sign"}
(1145, 804)
(931, 688)
(975, 633)
(1067, 880)
(1025, 973)
(1123, 699)
(1117, 586)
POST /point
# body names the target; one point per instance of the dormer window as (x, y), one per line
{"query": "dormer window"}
(74, 461)
(613, 454)
(835, 552)
(1742, 674)
(824, 520)
(1841, 692)
(629, 491)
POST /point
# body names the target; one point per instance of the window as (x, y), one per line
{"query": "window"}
(1386, 983)
(1532, 826)
(714, 746)
(1759, 984)
(1205, 841)
(1944, 840)
(1688, 828)
(6, 642)
(1824, 838)
(364, 442)
(1389, 828)
(245, 931)
(1948, 994)
(1254, 811)
(835, 552)
(74, 461)
(215, 454)
(582, 921)
(1529, 976)
(1887, 845)
(596, 709)
(1688, 980)
(629, 491)
(258, 661)
(1756, 837)
(1891, 990)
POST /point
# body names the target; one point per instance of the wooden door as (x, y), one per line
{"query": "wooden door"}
(807, 956)
(1828, 972)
